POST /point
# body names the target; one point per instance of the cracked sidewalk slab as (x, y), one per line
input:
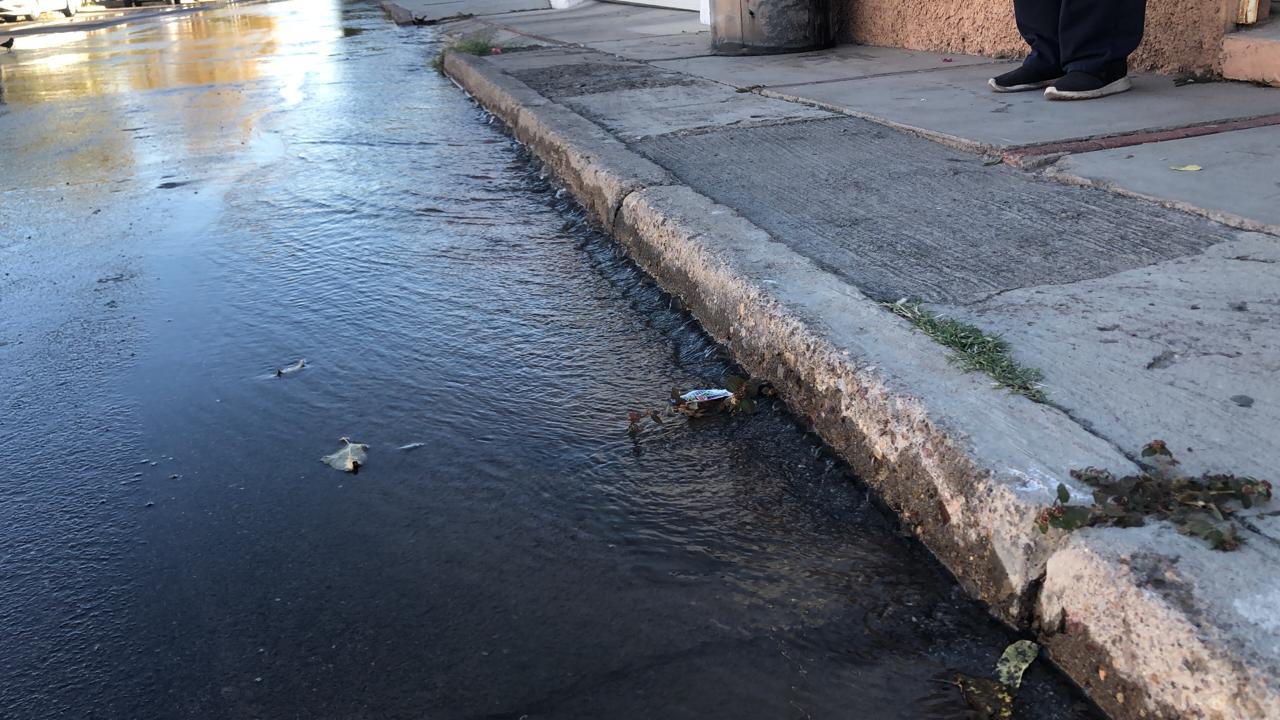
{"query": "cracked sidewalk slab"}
(589, 74)
(899, 216)
(635, 114)
(965, 466)
(955, 105)
(843, 62)
(637, 100)
(658, 47)
(945, 101)
(1238, 185)
(1186, 350)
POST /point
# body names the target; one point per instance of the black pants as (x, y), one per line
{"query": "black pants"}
(1085, 35)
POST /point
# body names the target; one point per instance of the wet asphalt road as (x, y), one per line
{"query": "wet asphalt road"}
(188, 203)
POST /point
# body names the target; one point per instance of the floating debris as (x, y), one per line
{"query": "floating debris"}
(291, 369)
(739, 396)
(1014, 662)
(349, 458)
(697, 403)
(411, 446)
(993, 699)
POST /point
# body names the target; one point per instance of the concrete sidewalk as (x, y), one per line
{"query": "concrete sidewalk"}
(945, 98)
(411, 12)
(780, 197)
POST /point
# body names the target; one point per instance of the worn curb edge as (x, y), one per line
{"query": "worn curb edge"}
(398, 14)
(965, 466)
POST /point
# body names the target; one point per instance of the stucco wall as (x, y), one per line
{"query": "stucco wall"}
(1181, 35)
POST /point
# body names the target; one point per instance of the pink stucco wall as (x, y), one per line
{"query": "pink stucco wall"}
(1181, 35)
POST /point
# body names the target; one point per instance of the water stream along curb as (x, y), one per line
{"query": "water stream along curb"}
(964, 465)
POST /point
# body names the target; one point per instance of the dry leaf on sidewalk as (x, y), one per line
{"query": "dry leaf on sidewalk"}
(1186, 168)
(348, 458)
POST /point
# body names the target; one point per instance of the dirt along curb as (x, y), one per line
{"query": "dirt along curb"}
(967, 467)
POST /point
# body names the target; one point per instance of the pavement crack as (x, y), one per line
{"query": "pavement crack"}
(1087, 426)
(989, 296)
(1162, 361)
(1247, 525)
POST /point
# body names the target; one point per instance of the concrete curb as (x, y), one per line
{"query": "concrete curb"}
(965, 466)
(1145, 610)
(598, 169)
(398, 14)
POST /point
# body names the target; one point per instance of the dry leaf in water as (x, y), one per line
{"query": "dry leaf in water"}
(1014, 661)
(1186, 168)
(993, 699)
(348, 458)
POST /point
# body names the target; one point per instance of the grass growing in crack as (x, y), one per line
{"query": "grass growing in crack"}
(471, 46)
(973, 349)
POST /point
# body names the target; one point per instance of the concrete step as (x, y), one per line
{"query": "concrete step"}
(1253, 54)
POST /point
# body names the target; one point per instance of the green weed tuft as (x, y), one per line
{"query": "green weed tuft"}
(972, 349)
(471, 46)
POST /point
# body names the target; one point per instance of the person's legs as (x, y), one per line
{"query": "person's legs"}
(1098, 36)
(1096, 39)
(1038, 23)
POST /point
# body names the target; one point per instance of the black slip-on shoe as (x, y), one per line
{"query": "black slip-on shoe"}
(1023, 79)
(1077, 85)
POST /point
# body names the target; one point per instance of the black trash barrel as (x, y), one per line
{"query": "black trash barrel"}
(763, 27)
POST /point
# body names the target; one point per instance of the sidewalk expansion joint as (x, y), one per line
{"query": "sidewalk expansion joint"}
(1053, 172)
(1142, 137)
(944, 139)
(892, 73)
